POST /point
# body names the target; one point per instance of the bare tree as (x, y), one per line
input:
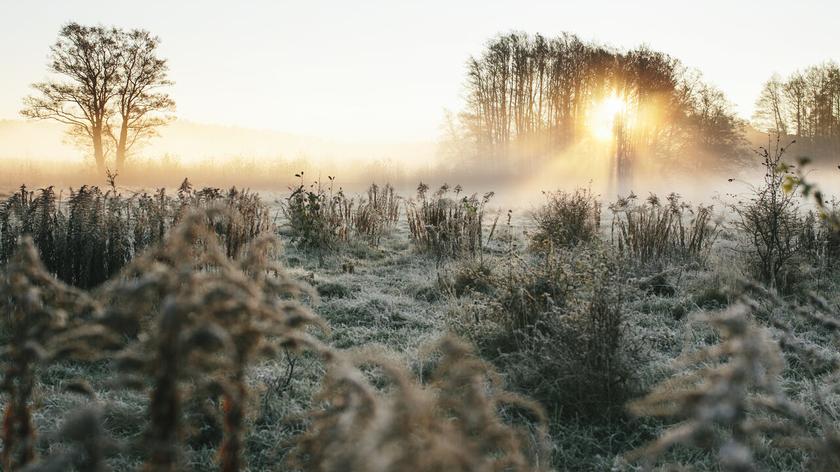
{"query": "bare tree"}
(806, 105)
(139, 104)
(104, 75)
(88, 62)
(770, 111)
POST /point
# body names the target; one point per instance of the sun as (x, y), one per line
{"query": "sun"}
(603, 116)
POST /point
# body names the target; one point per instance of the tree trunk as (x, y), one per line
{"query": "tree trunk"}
(121, 146)
(98, 151)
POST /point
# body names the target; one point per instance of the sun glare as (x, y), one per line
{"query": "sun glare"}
(604, 114)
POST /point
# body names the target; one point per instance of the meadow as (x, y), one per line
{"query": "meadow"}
(208, 329)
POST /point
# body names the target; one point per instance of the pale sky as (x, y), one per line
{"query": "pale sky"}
(386, 70)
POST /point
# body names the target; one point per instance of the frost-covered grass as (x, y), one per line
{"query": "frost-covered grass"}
(401, 300)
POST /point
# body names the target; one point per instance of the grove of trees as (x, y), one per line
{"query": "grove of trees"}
(107, 88)
(804, 106)
(529, 97)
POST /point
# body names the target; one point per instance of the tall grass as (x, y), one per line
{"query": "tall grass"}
(43, 321)
(654, 231)
(446, 225)
(377, 214)
(89, 236)
(194, 300)
(321, 218)
(189, 322)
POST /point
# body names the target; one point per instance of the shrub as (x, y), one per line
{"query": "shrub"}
(579, 364)
(771, 224)
(447, 227)
(531, 290)
(650, 231)
(468, 278)
(556, 328)
(512, 292)
(566, 219)
(318, 217)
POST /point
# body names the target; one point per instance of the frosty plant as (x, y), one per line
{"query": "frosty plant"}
(212, 317)
(44, 320)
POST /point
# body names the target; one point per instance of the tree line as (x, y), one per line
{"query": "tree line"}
(805, 106)
(108, 87)
(530, 96)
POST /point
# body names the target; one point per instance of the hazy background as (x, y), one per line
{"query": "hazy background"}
(341, 82)
(372, 70)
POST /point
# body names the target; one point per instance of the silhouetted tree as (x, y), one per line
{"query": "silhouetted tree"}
(104, 74)
(139, 104)
(529, 97)
(805, 105)
(770, 109)
(87, 59)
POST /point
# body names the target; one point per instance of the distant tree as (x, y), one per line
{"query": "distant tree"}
(805, 105)
(718, 129)
(103, 75)
(770, 108)
(139, 105)
(795, 95)
(530, 96)
(87, 59)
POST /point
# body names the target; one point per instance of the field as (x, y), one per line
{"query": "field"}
(419, 237)
(425, 332)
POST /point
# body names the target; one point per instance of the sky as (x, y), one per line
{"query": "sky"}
(387, 70)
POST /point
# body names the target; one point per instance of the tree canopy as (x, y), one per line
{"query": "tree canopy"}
(107, 88)
(804, 106)
(529, 97)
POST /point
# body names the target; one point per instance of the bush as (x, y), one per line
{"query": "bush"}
(468, 278)
(650, 231)
(318, 217)
(447, 227)
(771, 224)
(512, 292)
(566, 219)
(579, 363)
(556, 328)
